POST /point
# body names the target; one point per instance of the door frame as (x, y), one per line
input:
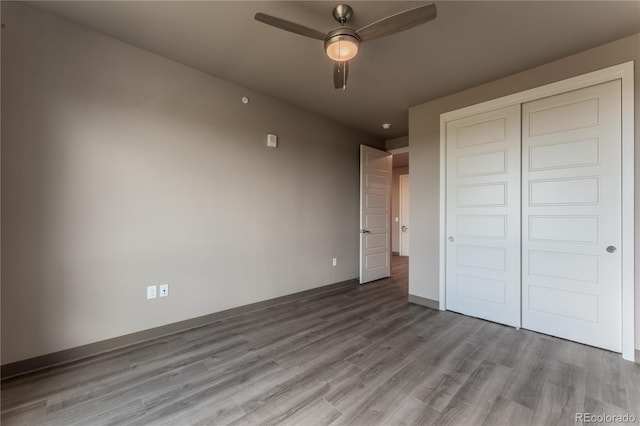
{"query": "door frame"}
(623, 72)
(402, 178)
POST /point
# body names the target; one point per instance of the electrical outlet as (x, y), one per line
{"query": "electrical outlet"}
(152, 292)
(164, 290)
(335, 261)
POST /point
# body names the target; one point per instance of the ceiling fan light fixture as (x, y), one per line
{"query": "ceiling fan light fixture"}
(342, 47)
(342, 44)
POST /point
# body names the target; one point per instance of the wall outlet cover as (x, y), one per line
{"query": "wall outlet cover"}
(164, 290)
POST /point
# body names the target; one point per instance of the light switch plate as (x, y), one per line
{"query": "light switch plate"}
(152, 292)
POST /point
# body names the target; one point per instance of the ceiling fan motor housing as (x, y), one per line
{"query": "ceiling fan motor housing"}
(342, 13)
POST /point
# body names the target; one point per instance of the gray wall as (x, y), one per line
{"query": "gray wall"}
(121, 169)
(395, 206)
(424, 140)
(395, 143)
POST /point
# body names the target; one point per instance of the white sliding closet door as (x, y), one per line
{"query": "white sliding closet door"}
(571, 228)
(483, 216)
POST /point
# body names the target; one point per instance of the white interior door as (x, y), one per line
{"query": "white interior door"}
(375, 191)
(571, 230)
(483, 216)
(404, 215)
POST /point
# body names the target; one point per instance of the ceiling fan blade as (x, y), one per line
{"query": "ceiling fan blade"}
(340, 74)
(398, 22)
(289, 26)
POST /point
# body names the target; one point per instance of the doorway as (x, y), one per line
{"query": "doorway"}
(400, 202)
(384, 212)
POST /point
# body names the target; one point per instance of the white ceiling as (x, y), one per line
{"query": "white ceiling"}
(469, 43)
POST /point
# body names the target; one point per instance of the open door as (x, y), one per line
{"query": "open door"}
(375, 190)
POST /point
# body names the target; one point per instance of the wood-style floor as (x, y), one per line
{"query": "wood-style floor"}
(361, 356)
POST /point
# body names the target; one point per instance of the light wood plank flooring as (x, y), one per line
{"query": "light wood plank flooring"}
(361, 356)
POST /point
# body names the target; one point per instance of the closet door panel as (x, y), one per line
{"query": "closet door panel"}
(571, 198)
(483, 216)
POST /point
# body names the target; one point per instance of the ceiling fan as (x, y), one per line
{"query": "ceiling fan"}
(342, 44)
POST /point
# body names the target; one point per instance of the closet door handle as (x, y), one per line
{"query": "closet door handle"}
(611, 249)
(451, 239)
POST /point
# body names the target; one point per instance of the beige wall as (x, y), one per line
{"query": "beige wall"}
(424, 140)
(121, 169)
(395, 207)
